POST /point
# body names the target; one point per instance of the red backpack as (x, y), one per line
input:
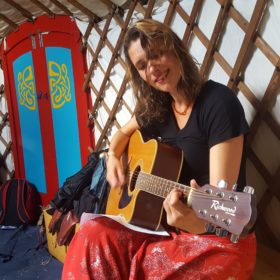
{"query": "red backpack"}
(19, 203)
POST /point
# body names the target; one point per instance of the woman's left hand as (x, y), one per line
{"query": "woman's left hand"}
(179, 215)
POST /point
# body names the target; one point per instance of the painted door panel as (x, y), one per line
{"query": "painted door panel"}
(44, 73)
(29, 122)
(63, 103)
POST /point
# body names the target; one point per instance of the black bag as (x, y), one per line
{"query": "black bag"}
(74, 185)
(85, 191)
(93, 198)
(19, 203)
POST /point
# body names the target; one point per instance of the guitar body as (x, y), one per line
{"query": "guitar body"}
(136, 206)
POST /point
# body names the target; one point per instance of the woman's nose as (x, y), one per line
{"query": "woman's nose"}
(154, 68)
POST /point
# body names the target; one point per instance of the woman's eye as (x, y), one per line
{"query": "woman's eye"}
(141, 66)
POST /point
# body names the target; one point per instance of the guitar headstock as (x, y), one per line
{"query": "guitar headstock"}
(230, 211)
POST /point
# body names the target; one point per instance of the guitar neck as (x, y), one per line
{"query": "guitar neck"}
(161, 187)
(158, 186)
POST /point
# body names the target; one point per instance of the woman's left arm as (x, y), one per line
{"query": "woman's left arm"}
(225, 160)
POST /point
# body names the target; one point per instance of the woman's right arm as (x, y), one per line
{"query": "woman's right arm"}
(115, 173)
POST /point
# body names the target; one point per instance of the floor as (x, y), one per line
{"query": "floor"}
(31, 259)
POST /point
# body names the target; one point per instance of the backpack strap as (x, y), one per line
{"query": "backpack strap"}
(3, 200)
(21, 199)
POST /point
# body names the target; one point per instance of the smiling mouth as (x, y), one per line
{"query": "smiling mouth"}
(162, 78)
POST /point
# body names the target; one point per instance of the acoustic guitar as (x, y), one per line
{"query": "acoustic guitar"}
(153, 171)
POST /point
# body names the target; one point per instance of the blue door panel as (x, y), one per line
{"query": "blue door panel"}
(29, 121)
(63, 103)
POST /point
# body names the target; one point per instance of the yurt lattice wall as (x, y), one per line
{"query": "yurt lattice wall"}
(235, 42)
(6, 157)
(247, 62)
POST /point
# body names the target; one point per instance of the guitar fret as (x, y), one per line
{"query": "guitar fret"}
(165, 188)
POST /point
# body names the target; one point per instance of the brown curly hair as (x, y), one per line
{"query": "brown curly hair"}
(156, 37)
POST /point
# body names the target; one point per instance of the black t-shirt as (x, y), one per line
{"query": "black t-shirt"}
(217, 116)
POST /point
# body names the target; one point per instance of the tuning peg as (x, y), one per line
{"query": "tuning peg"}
(234, 238)
(222, 184)
(210, 228)
(221, 232)
(249, 189)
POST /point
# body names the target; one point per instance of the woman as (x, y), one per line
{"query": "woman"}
(206, 121)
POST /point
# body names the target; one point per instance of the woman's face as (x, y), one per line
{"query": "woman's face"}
(161, 72)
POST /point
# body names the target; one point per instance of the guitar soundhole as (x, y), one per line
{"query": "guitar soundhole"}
(134, 177)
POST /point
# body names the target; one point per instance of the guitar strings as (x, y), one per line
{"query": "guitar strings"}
(184, 188)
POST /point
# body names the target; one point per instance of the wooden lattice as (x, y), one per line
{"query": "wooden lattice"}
(6, 162)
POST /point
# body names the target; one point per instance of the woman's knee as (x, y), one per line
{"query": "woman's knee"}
(98, 226)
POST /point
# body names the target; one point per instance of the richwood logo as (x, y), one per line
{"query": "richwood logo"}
(217, 206)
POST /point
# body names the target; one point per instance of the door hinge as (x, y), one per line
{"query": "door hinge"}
(33, 42)
(41, 42)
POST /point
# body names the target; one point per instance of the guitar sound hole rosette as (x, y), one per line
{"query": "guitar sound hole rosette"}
(134, 177)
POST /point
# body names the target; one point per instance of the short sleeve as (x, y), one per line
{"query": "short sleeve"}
(148, 130)
(223, 115)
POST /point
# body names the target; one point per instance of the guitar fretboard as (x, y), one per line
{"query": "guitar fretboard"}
(158, 186)
(162, 187)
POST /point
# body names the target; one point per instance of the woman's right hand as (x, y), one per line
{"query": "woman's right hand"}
(115, 172)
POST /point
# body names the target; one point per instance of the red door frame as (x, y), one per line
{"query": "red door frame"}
(44, 24)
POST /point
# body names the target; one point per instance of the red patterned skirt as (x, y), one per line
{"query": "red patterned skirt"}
(103, 249)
